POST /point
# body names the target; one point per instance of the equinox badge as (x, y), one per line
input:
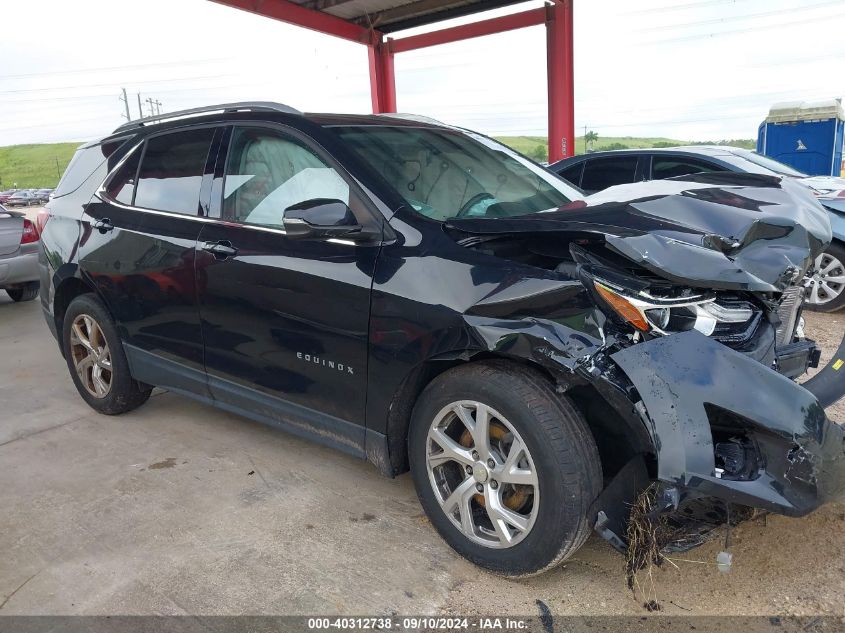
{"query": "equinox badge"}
(317, 360)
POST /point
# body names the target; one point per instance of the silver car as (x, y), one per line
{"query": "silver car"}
(18, 255)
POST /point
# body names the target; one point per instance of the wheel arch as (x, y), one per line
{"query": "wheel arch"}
(617, 438)
(66, 291)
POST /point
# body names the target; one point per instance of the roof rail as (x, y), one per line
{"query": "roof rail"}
(406, 116)
(240, 106)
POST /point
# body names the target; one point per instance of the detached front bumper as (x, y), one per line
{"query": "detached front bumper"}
(697, 394)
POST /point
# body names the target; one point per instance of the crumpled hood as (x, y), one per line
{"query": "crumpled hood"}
(726, 231)
(824, 183)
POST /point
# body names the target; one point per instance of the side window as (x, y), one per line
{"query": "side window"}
(268, 171)
(573, 174)
(171, 171)
(121, 187)
(669, 167)
(601, 173)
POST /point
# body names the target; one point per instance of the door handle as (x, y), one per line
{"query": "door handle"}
(104, 225)
(221, 250)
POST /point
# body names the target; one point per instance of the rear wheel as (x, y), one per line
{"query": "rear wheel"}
(24, 292)
(505, 468)
(96, 360)
(825, 289)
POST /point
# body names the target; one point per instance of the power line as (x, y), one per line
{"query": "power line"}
(749, 16)
(151, 81)
(108, 68)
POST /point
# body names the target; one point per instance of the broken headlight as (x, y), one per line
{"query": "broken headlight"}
(661, 315)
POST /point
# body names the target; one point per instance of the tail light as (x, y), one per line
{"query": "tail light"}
(30, 233)
(41, 220)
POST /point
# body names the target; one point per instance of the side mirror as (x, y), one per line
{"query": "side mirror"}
(320, 218)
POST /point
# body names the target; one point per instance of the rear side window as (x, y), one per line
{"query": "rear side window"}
(601, 173)
(85, 162)
(573, 174)
(670, 167)
(122, 185)
(171, 171)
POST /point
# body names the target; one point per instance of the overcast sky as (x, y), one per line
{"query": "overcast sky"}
(688, 69)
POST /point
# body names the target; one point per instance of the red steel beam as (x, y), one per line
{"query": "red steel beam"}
(561, 78)
(511, 22)
(286, 11)
(382, 78)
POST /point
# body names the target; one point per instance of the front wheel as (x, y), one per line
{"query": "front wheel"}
(505, 468)
(825, 289)
(96, 360)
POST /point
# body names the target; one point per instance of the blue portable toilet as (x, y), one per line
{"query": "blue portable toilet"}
(805, 135)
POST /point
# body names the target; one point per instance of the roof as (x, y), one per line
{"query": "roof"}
(389, 16)
(705, 150)
(231, 112)
(790, 111)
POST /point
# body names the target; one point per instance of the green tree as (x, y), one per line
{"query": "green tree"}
(540, 154)
(590, 138)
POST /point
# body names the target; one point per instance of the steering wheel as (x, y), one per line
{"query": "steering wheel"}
(469, 204)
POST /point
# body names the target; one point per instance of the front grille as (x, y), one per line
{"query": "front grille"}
(790, 307)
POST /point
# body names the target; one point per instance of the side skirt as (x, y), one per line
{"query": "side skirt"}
(229, 396)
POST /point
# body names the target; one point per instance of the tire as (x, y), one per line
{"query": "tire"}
(561, 454)
(124, 393)
(821, 286)
(24, 292)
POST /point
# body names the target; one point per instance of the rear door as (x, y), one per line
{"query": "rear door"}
(285, 321)
(601, 173)
(671, 166)
(139, 247)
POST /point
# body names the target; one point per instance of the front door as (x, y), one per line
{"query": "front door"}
(284, 320)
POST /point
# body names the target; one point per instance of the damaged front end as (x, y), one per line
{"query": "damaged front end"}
(696, 334)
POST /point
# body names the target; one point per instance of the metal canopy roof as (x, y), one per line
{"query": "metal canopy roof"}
(389, 16)
(368, 22)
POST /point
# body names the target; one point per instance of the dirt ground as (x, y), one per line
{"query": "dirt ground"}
(179, 508)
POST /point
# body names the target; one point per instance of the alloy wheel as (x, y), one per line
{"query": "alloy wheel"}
(827, 283)
(482, 474)
(91, 356)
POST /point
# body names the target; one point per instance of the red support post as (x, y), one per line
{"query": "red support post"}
(561, 79)
(532, 17)
(382, 77)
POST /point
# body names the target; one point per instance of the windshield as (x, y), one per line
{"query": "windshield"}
(447, 173)
(768, 164)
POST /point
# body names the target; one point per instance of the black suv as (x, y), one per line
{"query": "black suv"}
(422, 297)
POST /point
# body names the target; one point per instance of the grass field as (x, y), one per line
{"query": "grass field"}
(37, 166)
(34, 166)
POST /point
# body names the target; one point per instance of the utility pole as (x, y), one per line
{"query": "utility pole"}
(126, 104)
(152, 105)
(158, 106)
(58, 174)
(140, 109)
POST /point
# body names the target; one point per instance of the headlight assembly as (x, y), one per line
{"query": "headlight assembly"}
(661, 316)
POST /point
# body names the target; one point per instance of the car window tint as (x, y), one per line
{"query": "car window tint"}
(267, 172)
(171, 171)
(85, 162)
(573, 174)
(121, 187)
(601, 173)
(670, 167)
